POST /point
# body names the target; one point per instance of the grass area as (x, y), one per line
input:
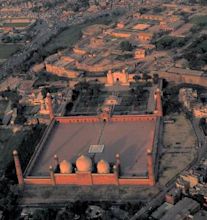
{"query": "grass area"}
(199, 20)
(19, 24)
(3, 106)
(72, 35)
(67, 38)
(179, 147)
(168, 42)
(196, 53)
(8, 142)
(2, 61)
(146, 21)
(7, 50)
(44, 78)
(91, 102)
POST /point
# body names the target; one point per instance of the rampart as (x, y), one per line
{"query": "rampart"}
(61, 71)
(184, 78)
(92, 178)
(89, 178)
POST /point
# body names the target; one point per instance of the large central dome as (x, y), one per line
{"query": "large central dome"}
(84, 164)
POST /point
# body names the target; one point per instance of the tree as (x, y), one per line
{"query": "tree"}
(146, 76)
(168, 42)
(143, 10)
(44, 92)
(126, 46)
(157, 10)
(65, 215)
(155, 78)
(69, 106)
(137, 78)
(40, 214)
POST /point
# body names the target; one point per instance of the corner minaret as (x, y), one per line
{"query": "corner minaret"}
(150, 167)
(18, 168)
(158, 104)
(49, 103)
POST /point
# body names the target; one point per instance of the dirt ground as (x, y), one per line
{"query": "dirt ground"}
(62, 194)
(179, 150)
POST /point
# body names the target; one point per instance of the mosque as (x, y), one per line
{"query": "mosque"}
(104, 149)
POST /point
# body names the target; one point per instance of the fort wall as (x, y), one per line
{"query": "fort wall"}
(37, 181)
(184, 78)
(115, 118)
(88, 178)
(61, 71)
(77, 119)
(101, 67)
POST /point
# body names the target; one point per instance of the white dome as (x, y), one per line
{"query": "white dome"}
(84, 164)
(65, 167)
(102, 167)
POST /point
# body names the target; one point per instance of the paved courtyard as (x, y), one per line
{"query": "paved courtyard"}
(129, 139)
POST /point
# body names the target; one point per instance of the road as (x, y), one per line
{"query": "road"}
(159, 198)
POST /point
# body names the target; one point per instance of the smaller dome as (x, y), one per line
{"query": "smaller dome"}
(65, 167)
(84, 164)
(157, 90)
(102, 167)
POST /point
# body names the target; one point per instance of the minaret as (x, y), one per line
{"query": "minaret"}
(125, 76)
(18, 168)
(49, 104)
(158, 104)
(150, 167)
(116, 172)
(109, 78)
(118, 163)
(57, 162)
(52, 175)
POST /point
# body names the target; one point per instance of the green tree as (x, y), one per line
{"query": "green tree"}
(44, 92)
(155, 78)
(126, 46)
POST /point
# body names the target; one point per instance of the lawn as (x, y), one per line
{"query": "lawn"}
(129, 102)
(19, 24)
(8, 142)
(73, 34)
(7, 50)
(199, 20)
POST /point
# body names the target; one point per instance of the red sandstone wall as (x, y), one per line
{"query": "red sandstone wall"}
(104, 179)
(178, 78)
(143, 182)
(84, 179)
(115, 118)
(132, 118)
(88, 179)
(38, 181)
(77, 119)
(61, 71)
(66, 179)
